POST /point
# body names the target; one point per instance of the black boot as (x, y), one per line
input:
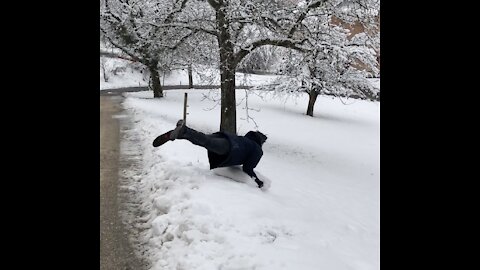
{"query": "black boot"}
(165, 137)
(170, 135)
(178, 131)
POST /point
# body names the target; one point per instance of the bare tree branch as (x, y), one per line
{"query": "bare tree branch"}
(170, 16)
(186, 26)
(214, 4)
(287, 43)
(302, 16)
(183, 39)
(122, 48)
(116, 55)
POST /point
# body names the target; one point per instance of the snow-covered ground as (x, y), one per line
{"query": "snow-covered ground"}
(321, 211)
(127, 76)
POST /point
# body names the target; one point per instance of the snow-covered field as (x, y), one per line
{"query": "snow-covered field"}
(129, 77)
(126, 75)
(322, 210)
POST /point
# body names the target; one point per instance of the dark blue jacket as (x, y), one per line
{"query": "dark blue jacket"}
(244, 150)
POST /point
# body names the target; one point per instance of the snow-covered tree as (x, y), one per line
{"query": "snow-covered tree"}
(333, 61)
(261, 59)
(127, 26)
(239, 27)
(324, 72)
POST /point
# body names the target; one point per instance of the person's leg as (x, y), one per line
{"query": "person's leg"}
(212, 142)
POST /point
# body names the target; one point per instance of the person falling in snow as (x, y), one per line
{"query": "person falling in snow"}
(224, 149)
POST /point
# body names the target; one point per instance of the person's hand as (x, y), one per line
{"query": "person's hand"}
(259, 183)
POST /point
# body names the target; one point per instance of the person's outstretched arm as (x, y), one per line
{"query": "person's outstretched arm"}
(250, 164)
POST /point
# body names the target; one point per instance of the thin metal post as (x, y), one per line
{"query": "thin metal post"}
(185, 109)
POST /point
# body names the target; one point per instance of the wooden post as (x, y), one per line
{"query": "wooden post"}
(185, 109)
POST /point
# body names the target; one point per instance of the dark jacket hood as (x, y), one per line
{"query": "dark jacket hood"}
(256, 136)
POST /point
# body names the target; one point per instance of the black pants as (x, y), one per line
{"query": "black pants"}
(213, 142)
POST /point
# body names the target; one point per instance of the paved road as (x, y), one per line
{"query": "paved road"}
(118, 91)
(116, 252)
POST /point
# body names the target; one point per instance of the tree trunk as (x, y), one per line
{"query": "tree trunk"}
(312, 94)
(228, 116)
(190, 77)
(155, 79)
(105, 75)
(228, 119)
